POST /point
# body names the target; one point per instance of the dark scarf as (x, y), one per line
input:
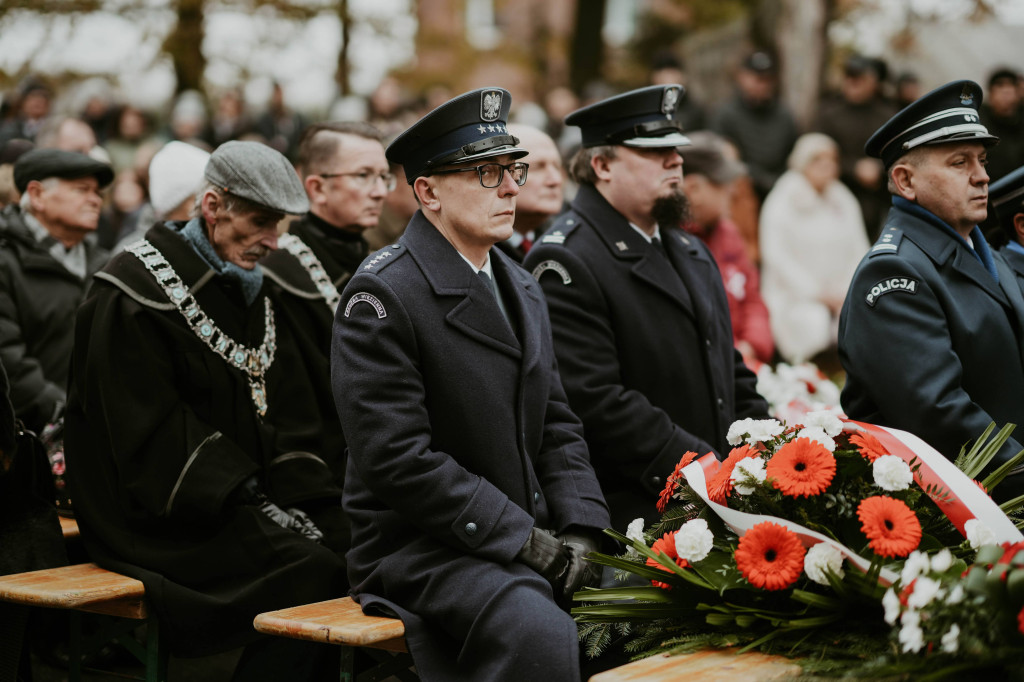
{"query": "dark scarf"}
(251, 281)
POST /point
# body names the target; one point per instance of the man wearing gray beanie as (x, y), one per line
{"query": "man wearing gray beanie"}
(194, 461)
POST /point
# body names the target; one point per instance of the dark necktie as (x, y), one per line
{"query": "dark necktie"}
(659, 246)
(489, 285)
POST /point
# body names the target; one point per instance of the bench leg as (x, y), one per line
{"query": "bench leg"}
(156, 653)
(75, 647)
(348, 659)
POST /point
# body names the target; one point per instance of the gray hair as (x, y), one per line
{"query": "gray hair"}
(807, 147)
(914, 158)
(230, 202)
(580, 169)
(26, 201)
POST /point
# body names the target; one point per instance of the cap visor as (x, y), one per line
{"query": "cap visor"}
(670, 140)
(514, 152)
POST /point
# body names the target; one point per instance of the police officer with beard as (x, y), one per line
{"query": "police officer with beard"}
(638, 311)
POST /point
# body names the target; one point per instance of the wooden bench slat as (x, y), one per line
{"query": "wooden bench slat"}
(69, 527)
(336, 621)
(84, 587)
(723, 665)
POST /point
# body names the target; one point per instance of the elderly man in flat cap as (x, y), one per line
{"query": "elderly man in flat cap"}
(930, 333)
(192, 443)
(469, 488)
(45, 266)
(640, 317)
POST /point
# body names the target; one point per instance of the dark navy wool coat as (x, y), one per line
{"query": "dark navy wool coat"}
(644, 348)
(931, 343)
(1015, 260)
(460, 438)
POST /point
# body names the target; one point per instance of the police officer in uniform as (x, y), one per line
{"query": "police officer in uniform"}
(1007, 197)
(930, 333)
(638, 311)
(469, 487)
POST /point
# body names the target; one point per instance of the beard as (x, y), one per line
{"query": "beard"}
(671, 210)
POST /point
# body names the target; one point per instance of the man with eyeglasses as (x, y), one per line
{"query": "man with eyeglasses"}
(346, 177)
(638, 310)
(469, 486)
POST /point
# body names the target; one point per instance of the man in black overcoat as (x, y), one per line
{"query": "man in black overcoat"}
(930, 333)
(469, 488)
(192, 443)
(346, 177)
(640, 318)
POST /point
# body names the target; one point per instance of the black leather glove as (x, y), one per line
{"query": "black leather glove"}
(546, 554)
(292, 519)
(581, 573)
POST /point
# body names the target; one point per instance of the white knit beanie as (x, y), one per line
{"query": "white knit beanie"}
(175, 174)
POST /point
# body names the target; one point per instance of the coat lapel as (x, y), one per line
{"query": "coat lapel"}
(475, 312)
(693, 269)
(522, 299)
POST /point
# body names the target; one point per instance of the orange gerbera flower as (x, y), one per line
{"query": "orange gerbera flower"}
(802, 467)
(892, 528)
(667, 544)
(720, 485)
(673, 481)
(870, 447)
(770, 556)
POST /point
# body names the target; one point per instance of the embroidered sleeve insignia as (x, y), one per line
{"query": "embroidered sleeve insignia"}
(887, 286)
(554, 266)
(364, 297)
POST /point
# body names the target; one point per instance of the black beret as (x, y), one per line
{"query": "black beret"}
(946, 114)
(469, 127)
(40, 164)
(638, 118)
(1007, 197)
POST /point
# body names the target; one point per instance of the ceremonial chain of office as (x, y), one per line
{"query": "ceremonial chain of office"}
(253, 361)
(298, 248)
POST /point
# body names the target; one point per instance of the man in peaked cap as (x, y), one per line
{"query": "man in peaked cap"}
(469, 488)
(45, 266)
(1006, 196)
(192, 444)
(929, 334)
(638, 310)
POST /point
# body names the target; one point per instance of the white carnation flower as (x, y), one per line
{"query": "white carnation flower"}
(912, 638)
(822, 559)
(825, 420)
(956, 595)
(891, 473)
(635, 531)
(916, 564)
(911, 618)
(951, 640)
(942, 561)
(925, 590)
(763, 430)
(891, 604)
(815, 433)
(750, 466)
(738, 430)
(979, 534)
(694, 540)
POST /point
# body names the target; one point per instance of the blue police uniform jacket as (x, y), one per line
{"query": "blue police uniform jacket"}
(645, 349)
(930, 341)
(460, 436)
(1014, 258)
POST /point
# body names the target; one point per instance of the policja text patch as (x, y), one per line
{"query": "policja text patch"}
(890, 285)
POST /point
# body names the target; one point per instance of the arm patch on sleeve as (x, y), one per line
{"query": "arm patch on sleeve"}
(887, 286)
(554, 266)
(364, 297)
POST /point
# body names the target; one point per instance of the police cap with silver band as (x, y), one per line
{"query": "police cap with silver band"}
(1007, 196)
(469, 127)
(638, 118)
(257, 173)
(946, 114)
(40, 164)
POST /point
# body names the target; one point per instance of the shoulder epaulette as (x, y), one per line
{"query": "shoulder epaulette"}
(561, 229)
(888, 242)
(379, 260)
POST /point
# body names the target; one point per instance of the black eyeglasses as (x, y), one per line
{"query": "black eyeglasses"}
(365, 179)
(491, 174)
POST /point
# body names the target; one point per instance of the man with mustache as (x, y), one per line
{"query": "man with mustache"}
(930, 332)
(471, 496)
(45, 267)
(192, 443)
(638, 310)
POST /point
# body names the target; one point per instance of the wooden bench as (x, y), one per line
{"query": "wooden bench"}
(341, 622)
(87, 588)
(69, 527)
(723, 665)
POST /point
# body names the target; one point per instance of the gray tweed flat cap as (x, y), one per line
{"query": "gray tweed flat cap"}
(254, 171)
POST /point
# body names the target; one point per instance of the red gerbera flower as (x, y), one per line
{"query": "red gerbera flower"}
(802, 467)
(673, 481)
(720, 485)
(870, 447)
(893, 530)
(770, 556)
(667, 544)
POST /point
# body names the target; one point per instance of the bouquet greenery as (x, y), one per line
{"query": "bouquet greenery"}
(811, 541)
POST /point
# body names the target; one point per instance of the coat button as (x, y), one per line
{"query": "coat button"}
(721, 403)
(656, 480)
(470, 528)
(536, 497)
(707, 342)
